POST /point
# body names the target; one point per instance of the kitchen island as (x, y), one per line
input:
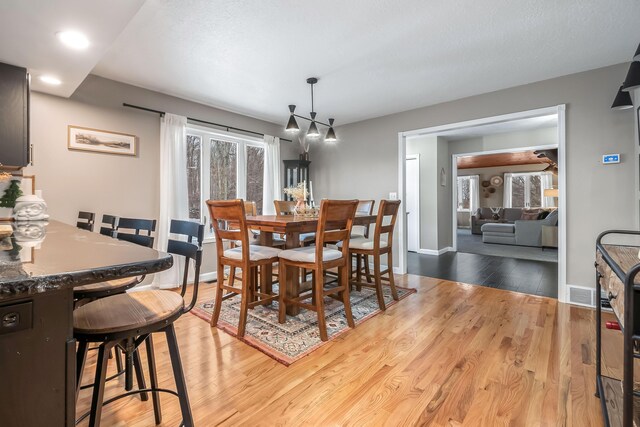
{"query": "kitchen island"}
(40, 264)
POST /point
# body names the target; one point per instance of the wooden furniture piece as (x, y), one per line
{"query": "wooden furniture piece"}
(15, 149)
(131, 318)
(292, 227)
(36, 299)
(287, 207)
(246, 257)
(378, 246)
(86, 220)
(617, 268)
(118, 286)
(108, 227)
(549, 236)
(295, 172)
(365, 207)
(334, 225)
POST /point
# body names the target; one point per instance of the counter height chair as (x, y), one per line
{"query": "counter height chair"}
(86, 220)
(287, 207)
(246, 257)
(379, 245)
(365, 207)
(130, 319)
(108, 226)
(334, 225)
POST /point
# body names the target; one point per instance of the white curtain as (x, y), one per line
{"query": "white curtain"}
(506, 196)
(474, 193)
(174, 202)
(271, 187)
(546, 181)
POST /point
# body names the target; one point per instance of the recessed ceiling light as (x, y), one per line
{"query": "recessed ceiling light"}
(73, 39)
(50, 80)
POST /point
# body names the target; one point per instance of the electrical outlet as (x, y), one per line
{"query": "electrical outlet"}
(393, 196)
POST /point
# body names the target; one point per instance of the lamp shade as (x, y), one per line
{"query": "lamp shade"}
(331, 134)
(633, 77)
(313, 130)
(636, 57)
(292, 124)
(622, 100)
(551, 192)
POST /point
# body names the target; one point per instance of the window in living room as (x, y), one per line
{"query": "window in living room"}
(222, 167)
(525, 190)
(468, 193)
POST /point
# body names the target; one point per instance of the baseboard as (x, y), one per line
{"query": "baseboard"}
(435, 252)
(209, 277)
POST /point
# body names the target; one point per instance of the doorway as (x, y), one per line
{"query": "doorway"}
(450, 178)
(413, 202)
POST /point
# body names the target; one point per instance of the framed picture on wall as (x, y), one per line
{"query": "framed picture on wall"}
(101, 141)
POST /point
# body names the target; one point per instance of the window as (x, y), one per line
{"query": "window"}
(222, 167)
(526, 190)
(464, 194)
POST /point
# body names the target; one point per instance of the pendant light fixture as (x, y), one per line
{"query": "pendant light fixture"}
(313, 132)
(622, 100)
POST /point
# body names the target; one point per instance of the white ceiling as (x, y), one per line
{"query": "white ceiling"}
(28, 37)
(373, 57)
(519, 125)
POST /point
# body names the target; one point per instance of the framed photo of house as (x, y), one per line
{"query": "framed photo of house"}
(101, 141)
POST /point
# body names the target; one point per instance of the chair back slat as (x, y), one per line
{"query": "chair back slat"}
(365, 207)
(334, 224)
(138, 239)
(388, 209)
(250, 208)
(190, 250)
(108, 227)
(141, 231)
(229, 212)
(86, 220)
(284, 207)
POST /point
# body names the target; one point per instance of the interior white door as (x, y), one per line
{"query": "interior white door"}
(413, 203)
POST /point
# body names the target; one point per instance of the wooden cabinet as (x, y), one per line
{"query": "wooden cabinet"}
(295, 171)
(14, 116)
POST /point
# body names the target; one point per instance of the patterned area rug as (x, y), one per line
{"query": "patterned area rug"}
(299, 335)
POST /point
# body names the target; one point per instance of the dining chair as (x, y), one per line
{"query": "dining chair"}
(246, 257)
(365, 207)
(380, 244)
(108, 226)
(86, 220)
(138, 231)
(334, 224)
(287, 207)
(128, 320)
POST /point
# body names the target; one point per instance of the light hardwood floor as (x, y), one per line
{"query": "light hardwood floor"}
(452, 354)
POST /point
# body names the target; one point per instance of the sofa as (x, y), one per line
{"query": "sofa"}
(484, 216)
(521, 232)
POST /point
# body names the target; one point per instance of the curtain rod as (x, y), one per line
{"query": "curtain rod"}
(124, 104)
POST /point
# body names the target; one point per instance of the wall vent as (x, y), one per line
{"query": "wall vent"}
(580, 295)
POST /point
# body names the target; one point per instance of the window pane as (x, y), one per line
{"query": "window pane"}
(255, 169)
(517, 191)
(464, 193)
(193, 175)
(224, 167)
(535, 191)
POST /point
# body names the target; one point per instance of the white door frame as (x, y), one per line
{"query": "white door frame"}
(416, 157)
(562, 178)
(454, 177)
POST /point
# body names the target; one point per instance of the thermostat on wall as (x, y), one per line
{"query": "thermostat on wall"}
(608, 159)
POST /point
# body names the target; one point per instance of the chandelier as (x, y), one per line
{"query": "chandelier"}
(292, 124)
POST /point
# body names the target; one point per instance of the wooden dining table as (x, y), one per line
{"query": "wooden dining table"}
(291, 226)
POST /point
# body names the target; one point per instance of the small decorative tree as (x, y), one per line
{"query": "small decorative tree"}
(11, 194)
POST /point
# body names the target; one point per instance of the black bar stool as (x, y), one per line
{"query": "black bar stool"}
(86, 220)
(132, 318)
(108, 226)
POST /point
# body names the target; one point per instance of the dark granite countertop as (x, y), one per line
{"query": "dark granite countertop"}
(46, 256)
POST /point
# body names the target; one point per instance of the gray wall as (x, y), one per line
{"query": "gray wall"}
(364, 164)
(103, 183)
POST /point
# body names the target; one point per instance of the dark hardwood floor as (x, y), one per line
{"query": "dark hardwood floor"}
(526, 276)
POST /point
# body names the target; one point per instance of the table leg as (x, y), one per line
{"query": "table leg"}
(266, 278)
(292, 284)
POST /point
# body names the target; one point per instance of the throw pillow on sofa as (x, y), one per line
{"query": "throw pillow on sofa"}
(530, 214)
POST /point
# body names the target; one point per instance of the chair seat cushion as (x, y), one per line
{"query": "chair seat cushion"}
(128, 311)
(308, 254)
(256, 253)
(363, 243)
(115, 286)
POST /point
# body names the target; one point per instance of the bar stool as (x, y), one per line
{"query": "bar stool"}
(334, 225)
(287, 207)
(378, 246)
(86, 220)
(108, 226)
(246, 257)
(132, 318)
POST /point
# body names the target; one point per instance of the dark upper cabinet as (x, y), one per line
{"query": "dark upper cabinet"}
(14, 116)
